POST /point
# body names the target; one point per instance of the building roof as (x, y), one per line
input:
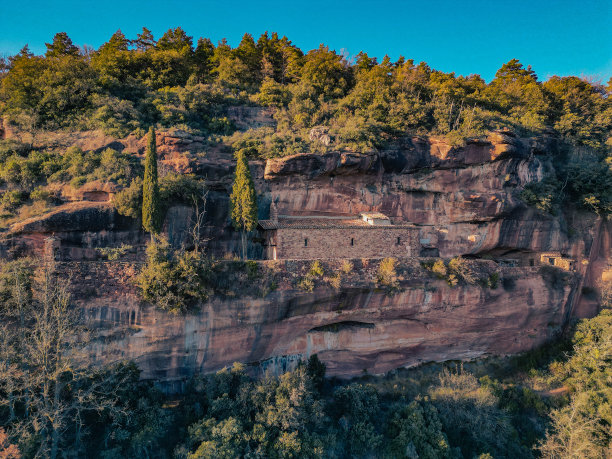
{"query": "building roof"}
(322, 223)
(376, 215)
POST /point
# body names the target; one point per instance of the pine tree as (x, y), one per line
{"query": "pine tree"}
(61, 46)
(151, 206)
(243, 200)
(144, 41)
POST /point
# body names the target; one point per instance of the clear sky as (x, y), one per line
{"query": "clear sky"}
(557, 37)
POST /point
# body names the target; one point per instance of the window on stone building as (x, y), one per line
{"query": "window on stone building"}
(399, 240)
(305, 242)
(352, 241)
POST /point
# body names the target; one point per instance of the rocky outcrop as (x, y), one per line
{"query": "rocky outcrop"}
(81, 216)
(251, 117)
(79, 229)
(96, 191)
(464, 200)
(406, 155)
(320, 134)
(352, 330)
(330, 164)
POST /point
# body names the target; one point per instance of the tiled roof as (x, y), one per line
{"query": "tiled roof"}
(315, 223)
(376, 215)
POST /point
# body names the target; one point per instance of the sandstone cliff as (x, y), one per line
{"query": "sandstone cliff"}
(355, 329)
(464, 200)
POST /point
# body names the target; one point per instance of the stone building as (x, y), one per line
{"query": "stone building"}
(369, 235)
(556, 259)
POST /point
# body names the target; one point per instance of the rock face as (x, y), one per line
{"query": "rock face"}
(461, 200)
(330, 164)
(352, 330)
(79, 228)
(251, 117)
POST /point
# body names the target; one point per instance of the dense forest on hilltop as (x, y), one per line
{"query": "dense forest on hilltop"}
(130, 84)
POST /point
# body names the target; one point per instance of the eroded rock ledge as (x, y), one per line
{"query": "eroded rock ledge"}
(353, 329)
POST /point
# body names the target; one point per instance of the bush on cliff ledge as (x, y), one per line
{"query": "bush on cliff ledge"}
(387, 273)
(174, 280)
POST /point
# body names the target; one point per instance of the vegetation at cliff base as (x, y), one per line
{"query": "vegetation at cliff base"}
(549, 403)
(60, 407)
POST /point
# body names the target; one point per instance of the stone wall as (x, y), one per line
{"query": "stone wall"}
(390, 241)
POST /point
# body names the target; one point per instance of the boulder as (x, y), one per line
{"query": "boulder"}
(319, 134)
(330, 164)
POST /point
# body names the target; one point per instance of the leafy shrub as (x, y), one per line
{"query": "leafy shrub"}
(336, 280)
(128, 201)
(12, 199)
(439, 269)
(116, 117)
(542, 195)
(273, 94)
(116, 167)
(198, 106)
(77, 163)
(11, 147)
(78, 182)
(306, 284)
(114, 253)
(460, 268)
(308, 281)
(494, 280)
(316, 269)
(40, 194)
(589, 183)
(387, 273)
(174, 281)
(347, 267)
(252, 269)
(180, 188)
(25, 172)
(457, 269)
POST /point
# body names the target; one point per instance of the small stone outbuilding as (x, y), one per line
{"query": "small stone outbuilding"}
(557, 260)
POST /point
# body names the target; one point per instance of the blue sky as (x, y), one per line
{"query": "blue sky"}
(557, 37)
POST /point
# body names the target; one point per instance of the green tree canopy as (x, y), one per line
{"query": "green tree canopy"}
(61, 46)
(175, 39)
(152, 217)
(144, 40)
(243, 199)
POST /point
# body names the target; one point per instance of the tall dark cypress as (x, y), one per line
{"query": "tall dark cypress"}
(243, 200)
(151, 206)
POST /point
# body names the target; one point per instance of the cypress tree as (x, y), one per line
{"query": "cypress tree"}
(151, 206)
(243, 200)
